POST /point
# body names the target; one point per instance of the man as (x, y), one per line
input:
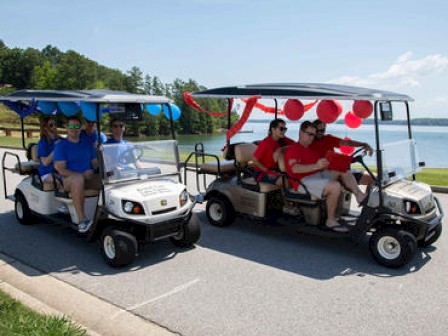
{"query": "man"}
(309, 167)
(75, 161)
(117, 129)
(327, 142)
(91, 134)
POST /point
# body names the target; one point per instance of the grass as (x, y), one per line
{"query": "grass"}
(17, 319)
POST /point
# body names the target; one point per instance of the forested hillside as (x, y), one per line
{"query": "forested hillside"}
(53, 69)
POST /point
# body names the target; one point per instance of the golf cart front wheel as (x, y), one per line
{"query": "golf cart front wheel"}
(119, 248)
(393, 247)
(219, 212)
(431, 238)
(189, 235)
(22, 210)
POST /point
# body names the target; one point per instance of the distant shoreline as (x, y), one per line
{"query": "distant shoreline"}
(414, 122)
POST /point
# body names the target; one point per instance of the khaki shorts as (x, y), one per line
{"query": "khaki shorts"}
(94, 182)
(316, 182)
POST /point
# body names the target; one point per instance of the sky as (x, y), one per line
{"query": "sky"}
(395, 45)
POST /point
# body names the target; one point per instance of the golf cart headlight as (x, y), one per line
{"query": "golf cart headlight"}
(133, 208)
(183, 198)
(411, 208)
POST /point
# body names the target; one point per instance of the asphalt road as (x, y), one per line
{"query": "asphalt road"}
(248, 279)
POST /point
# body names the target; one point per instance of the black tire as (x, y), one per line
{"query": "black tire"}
(190, 234)
(119, 248)
(219, 212)
(393, 247)
(426, 243)
(22, 210)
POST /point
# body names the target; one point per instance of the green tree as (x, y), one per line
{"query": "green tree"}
(134, 81)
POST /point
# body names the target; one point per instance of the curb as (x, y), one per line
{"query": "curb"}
(48, 295)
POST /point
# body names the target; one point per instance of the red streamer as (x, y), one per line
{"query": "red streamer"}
(250, 104)
(190, 101)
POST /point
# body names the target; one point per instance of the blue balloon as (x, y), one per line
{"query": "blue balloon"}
(47, 107)
(175, 111)
(68, 108)
(153, 109)
(89, 111)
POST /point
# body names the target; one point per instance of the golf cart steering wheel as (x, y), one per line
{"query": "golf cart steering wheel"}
(131, 155)
(358, 157)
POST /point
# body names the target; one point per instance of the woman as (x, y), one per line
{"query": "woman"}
(265, 165)
(45, 147)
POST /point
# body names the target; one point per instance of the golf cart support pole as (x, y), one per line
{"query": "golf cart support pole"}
(22, 125)
(379, 158)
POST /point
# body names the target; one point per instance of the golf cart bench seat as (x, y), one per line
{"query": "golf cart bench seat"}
(30, 166)
(243, 161)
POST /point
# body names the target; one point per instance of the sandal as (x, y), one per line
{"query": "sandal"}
(338, 228)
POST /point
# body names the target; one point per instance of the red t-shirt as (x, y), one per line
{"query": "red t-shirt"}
(302, 155)
(328, 143)
(265, 152)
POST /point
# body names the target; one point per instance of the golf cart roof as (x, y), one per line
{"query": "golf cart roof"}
(309, 91)
(93, 96)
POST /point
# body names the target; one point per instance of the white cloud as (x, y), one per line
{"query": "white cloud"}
(404, 72)
(439, 101)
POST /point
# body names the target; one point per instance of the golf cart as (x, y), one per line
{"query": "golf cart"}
(399, 215)
(141, 199)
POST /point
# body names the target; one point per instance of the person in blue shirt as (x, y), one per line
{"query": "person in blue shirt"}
(117, 129)
(45, 147)
(91, 134)
(75, 160)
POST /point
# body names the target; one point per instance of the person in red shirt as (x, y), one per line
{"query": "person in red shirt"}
(264, 158)
(305, 164)
(327, 142)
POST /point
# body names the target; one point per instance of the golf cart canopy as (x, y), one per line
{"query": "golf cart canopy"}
(309, 91)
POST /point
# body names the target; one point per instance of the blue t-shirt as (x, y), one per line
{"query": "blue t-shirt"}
(78, 156)
(93, 138)
(44, 148)
(113, 141)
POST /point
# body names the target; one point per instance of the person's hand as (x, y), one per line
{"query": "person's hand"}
(88, 173)
(368, 149)
(322, 163)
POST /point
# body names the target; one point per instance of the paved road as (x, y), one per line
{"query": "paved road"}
(248, 279)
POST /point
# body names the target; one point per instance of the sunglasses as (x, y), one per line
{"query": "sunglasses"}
(283, 129)
(320, 130)
(117, 125)
(74, 126)
(310, 133)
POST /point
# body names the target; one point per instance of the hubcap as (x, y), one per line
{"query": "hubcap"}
(215, 212)
(389, 247)
(109, 247)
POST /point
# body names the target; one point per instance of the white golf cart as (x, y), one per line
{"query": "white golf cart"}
(142, 198)
(401, 214)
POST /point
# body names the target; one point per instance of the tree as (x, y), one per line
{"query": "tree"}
(134, 81)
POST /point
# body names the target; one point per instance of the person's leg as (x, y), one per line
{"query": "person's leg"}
(75, 185)
(366, 179)
(350, 183)
(332, 191)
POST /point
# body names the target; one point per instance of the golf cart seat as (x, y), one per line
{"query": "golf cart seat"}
(30, 166)
(243, 161)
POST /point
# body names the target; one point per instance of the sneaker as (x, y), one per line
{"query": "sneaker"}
(84, 225)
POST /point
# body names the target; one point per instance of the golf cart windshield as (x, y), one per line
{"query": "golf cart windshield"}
(400, 160)
(143, 160)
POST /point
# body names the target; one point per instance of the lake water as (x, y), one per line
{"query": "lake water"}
(432, 141)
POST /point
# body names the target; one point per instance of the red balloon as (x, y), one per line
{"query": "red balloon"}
(362, 108)
(347, 150)
(328, 111)
(294, 109)
(352, 121)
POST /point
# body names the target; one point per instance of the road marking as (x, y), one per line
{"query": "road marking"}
(173, 291)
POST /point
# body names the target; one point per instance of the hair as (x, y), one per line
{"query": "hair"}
(307, 124)
(74, 118)
(43, 122)
(274, 123)
(317, 122)
(113, 120)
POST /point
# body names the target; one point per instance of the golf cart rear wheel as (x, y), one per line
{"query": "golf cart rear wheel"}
(393, 247)
(119, 248)
(189, 235)
(435, 236)
(219, 212)
(22, 210)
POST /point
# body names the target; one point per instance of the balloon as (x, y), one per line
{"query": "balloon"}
(68, 108)
(347, 150)
(153, 109)
(352, 121)
(328, 111)
(175, 111)
(89, 111)
(362, 108)
(293, 109)
(47, 107)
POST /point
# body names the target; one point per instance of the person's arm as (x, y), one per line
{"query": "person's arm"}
(47, 160)
(297, 168)
(354, 143)
(61, 167)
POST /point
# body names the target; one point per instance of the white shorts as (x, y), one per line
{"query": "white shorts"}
(316, 183)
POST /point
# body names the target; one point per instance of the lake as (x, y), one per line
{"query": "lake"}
(432, 141)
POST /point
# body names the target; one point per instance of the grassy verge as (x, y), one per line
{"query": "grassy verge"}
(16, 319)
